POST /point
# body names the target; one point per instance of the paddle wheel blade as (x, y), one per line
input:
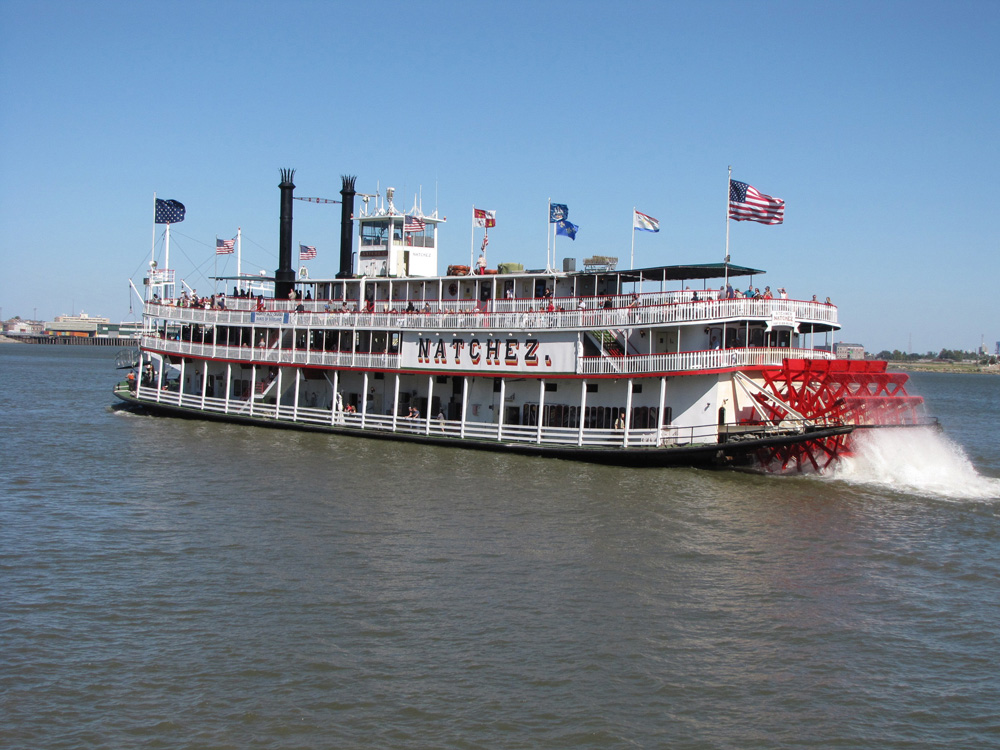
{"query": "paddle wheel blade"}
(832, 393)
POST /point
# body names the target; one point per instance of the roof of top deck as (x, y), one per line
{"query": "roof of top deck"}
(684, 273)
(655, 273)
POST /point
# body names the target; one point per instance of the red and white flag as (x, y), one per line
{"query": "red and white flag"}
(483, 218)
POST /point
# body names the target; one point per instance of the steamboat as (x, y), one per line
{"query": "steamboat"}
(627, 367)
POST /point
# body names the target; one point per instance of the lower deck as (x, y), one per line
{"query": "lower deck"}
(702, 409)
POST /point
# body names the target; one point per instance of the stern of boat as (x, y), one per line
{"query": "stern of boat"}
(833, 393)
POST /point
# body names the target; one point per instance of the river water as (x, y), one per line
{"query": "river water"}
(167, 583)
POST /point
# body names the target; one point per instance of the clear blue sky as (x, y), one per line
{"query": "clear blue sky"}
(877, 122)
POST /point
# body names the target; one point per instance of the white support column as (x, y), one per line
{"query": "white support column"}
(583, 409)
(333, 397)
(180, 385)
(628, 412)
(204, 382)
(229, 384)
(278, 393)
(364, 400)
(465, 402)
(159, 377)
(298, 383)
(253, 386)
(663, 404)
(395, 404)
(430, 400)
(500, 416)
(541, 409)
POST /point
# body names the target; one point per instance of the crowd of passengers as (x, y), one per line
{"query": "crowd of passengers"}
(546, 302)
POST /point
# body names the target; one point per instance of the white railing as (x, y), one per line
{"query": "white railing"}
(263, 355)
(638, 364)
(482, 431)
(716, 359)
(464, 315)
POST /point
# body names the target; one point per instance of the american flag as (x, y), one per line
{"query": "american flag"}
(168, 212)
(413, 224)
(225, 247)
(483, 218)
(306, 252)
(746, 204)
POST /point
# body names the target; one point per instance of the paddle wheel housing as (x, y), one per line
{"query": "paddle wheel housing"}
(831, 393)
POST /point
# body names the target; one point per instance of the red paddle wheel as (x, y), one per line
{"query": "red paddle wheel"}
(832, 393)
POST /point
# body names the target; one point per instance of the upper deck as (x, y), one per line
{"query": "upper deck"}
(568, 313)
(514, 301)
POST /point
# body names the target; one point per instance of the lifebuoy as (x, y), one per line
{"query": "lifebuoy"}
(453, 289)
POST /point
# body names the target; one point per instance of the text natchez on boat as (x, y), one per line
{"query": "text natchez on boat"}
(603, 365)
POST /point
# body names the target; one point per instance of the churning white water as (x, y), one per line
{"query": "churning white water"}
(918, 460)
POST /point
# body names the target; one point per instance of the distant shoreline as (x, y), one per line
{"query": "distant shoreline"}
(948, 368)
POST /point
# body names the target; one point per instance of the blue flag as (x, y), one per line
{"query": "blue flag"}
(558, 212)
(566, 229)
(168, 212)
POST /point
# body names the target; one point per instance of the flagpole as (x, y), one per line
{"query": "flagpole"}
(152, 245)
(631, 262)
(239, 256)
(215, 289)
(729, 186)
(472, 238)
(548, 240)
(166, 249)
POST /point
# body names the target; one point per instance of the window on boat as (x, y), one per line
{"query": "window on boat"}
(374, 232)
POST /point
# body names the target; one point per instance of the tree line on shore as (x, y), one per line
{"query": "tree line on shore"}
(945, 355)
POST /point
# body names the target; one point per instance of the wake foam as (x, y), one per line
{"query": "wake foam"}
(915, 460)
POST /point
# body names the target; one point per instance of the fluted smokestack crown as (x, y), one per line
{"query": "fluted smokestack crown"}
(347, 226)
(284, 277)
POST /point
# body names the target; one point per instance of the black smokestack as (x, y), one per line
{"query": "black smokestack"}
(347, 227)
(284, 277)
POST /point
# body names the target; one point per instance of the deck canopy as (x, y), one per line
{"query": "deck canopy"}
(682, 273)
(701, 271)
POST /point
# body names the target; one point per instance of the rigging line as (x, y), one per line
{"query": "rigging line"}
(269, 253)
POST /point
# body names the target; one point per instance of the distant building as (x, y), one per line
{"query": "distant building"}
(849, 351)
(74, 325)
(17, 326)
(119, 330)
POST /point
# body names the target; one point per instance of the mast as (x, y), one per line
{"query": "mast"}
(729, 186)
(631, 258)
